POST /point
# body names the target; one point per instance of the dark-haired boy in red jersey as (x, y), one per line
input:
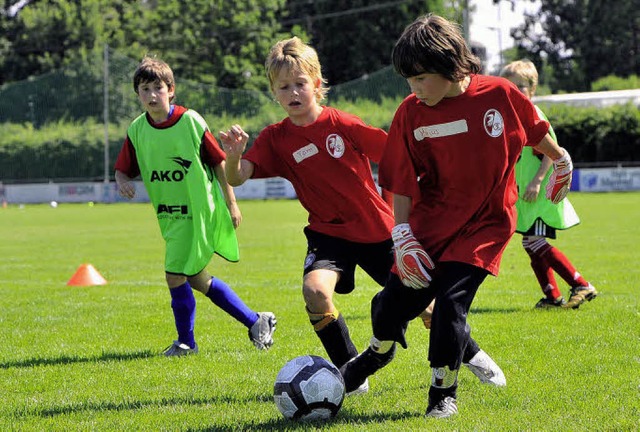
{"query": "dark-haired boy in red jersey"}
(450, 161)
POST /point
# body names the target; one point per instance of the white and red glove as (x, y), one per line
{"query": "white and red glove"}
(560, 179)
(411, 261)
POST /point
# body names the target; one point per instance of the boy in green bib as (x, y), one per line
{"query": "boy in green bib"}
(538, 217)
(183, 169)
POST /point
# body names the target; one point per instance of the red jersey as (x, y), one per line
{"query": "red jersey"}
(328, 164)
(456, 160)
(210, 152)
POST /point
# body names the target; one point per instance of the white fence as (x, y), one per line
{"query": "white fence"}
(597, 99)
(274, 188)
(584, 180)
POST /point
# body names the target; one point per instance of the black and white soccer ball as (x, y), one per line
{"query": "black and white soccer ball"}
(309, 388)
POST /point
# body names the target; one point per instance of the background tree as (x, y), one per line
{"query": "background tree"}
(44, 35)
(581, 41)
(211, 42)
(202, 40)
(355, 37)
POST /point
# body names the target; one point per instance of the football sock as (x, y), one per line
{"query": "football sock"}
(183, 304)
(561, 265)
(546, 279)
(444, 382)
(537, 247)
(437, 394)
(334, 335)
(226, 299)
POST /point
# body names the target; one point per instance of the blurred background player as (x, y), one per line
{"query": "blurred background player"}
(326, 155)
(538, 217)
(454, 214)
(182, 168)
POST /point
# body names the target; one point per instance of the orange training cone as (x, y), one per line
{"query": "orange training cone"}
(87, 275)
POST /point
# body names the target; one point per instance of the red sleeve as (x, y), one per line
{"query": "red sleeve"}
(396, 172)
(371, 141)
(210, 151)
(127, 161)
(265, 161)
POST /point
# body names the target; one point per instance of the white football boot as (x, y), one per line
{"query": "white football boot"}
(486, 370)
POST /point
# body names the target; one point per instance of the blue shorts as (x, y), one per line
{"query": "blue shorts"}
(342, 256)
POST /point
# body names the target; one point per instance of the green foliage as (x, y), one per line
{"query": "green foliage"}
(214, 42)
(356, 37)
(582, 41)
(597, 134)
(87, 358)
(376, 113)
(60, 149)
(47, 35)
(211, 42)
(612, 82)
(69, 93)
(204, 40)
(371, 87)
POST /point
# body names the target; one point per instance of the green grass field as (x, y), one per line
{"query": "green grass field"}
(87, 358)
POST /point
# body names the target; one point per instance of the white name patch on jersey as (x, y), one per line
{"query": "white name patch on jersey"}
(305, 152)
(441, 130)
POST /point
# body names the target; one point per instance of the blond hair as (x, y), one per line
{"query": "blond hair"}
(523, 69)
(152, 69)
(294, 55)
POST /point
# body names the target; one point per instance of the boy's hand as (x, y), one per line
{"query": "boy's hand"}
(411, 261)
(532, 191)
(236, 216)
(560, 180)
(126, 189)
(234, 141)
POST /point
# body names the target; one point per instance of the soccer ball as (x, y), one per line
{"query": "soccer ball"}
(309, 388)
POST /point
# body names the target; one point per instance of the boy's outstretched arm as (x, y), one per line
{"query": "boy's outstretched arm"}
(560, 180)
(234, 141)
(126, 188)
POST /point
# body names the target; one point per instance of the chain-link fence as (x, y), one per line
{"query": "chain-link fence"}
(80, 113)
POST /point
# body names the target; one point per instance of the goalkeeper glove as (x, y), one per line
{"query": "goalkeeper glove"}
(411, 261)
(560, 180)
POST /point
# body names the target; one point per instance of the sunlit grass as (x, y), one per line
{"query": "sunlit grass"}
(87, 358)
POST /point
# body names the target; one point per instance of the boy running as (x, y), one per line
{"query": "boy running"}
(450, 162)
(538, 217)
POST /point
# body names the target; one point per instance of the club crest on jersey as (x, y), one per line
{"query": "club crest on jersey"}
(335, 145)
(493, 123)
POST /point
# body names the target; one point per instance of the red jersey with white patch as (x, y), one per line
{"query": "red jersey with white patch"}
(456, 160)
(328, 164)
